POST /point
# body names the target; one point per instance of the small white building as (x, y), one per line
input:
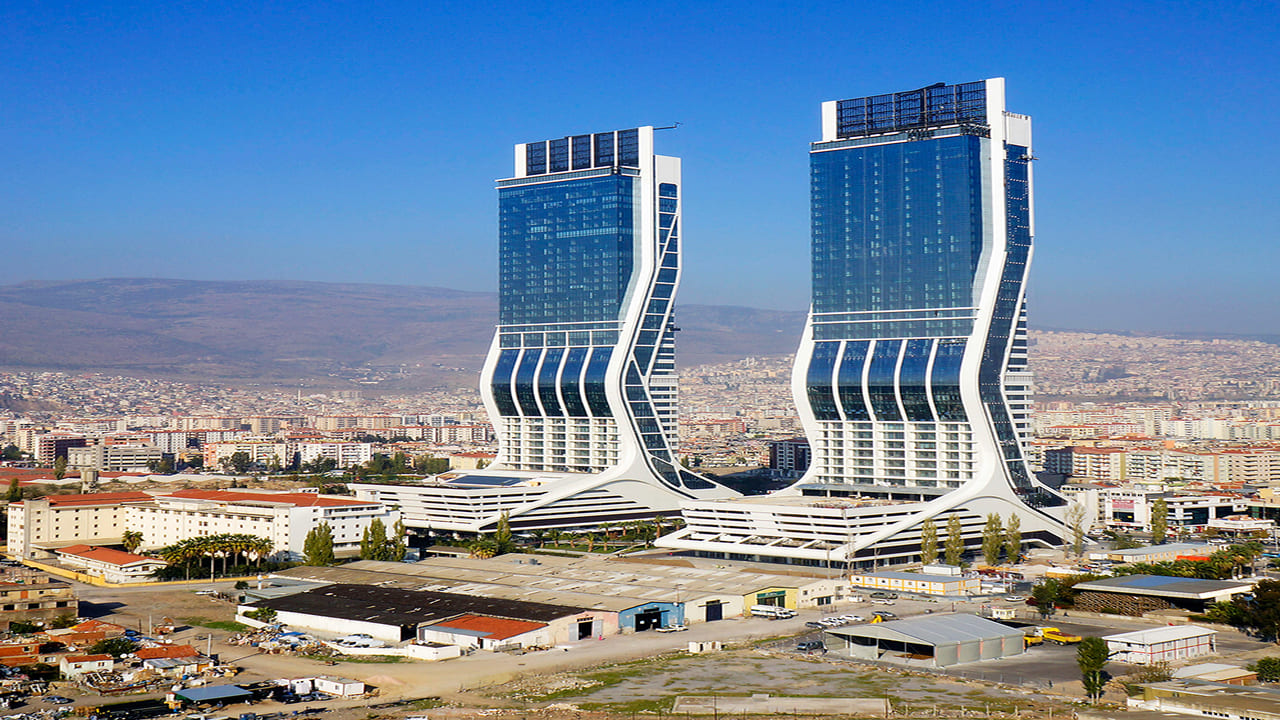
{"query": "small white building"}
(1165, 644)
(486, 633)
(75, 665)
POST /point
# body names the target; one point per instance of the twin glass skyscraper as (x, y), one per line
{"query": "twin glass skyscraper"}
(911, 377)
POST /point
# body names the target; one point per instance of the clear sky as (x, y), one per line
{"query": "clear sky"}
(359, 141)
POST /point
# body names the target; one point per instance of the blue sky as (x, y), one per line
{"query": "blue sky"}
(359, 141)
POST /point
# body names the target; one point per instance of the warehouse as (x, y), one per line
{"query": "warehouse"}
(393, 615)
(918, 583)
(486, 633)
(929, 641)
(645, 596)
(1165, 644)
(1138, 594)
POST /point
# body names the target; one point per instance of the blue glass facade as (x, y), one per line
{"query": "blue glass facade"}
(897, 227)
(566, 250)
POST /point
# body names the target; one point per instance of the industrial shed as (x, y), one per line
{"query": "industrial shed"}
(393, 615)
(929, 641)
(1139, 594)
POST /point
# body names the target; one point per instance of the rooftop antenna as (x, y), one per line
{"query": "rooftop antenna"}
(670, 127)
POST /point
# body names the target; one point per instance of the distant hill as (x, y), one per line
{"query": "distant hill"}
(404, 337)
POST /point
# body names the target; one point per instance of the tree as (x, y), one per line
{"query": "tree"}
(15, 491)
(1268, 669)
(1045, 594)
(1075, 521)
(992, 539)
(240, 462)
(373, 545)
(502, 535)
(115, 647)
(399, 541)
(1159, 520)
(132, 540)
(953, 548)
(1013, 538)
(1157, 671)
(60, 467)
(1091, 657)
(11, 452)
(318, 546)
(929, 542)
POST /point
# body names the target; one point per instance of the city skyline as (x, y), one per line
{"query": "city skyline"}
(187, 142)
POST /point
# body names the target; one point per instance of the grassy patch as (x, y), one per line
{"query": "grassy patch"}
(662, 705)
(227, 625)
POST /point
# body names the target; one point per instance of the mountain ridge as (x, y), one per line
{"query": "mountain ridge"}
(284, 331)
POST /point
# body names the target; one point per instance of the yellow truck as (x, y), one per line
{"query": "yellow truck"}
(1056, 636)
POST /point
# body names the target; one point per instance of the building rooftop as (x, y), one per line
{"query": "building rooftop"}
(1161, 634)
(237, 497)
(1167, 586)
(944, 629)
(490, 628)
(107, 555)
(394, 606)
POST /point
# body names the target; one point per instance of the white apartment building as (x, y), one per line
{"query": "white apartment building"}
(284, 518)
(40, 527)
(94, 519)
(1130, 508)
(113, 458)
(345, 454)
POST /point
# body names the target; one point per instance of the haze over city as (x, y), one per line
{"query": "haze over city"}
(338, 143)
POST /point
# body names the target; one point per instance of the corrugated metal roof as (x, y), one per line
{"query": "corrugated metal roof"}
(945, 629)
(1161, 634)
(1166, 585)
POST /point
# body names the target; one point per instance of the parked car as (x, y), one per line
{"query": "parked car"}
(854, 618)
(1014, 598)
(881, 601)
(811, 646)
(672, 628)
(814, 624)
(884, 595)
(885, 615)
(57, 699)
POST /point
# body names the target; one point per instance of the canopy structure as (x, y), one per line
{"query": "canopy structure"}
(214, 694)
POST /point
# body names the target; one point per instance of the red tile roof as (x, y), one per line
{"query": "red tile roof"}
(494, 628)
(106, 555)
(96, 498)
(166, 651)
(299, 499)
(85, 658)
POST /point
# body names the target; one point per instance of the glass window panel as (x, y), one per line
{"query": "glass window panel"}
(547, 382)
(524, 383)
(571, 385)
(597, 398)
(880, 374)
(911, 380)
(849, 381)
(818, 380)
(501, 385)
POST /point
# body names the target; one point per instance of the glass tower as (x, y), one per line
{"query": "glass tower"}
(911, 378)
(581, 377)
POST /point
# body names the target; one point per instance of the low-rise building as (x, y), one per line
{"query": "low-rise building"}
(76, 665)
(919, 583)
(113, 566)
(1208, 699)
(114, 458)
(1139, 594)
(1165, 644)
(37, 599)
(929, 641)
